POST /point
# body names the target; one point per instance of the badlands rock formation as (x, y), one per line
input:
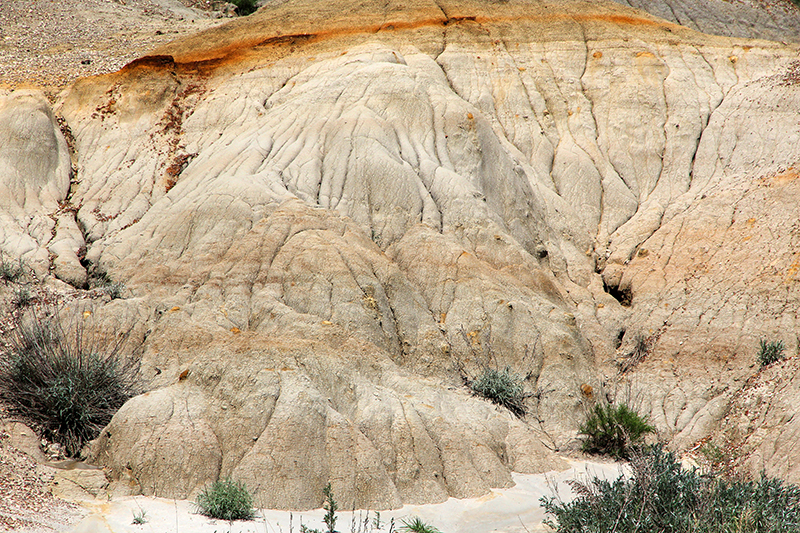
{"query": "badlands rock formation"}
(777, 20)
(326, 220)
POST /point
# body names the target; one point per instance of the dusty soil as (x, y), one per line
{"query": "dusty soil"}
(50, 43)
(25, 500)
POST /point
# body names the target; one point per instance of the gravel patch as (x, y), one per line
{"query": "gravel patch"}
(51, 43)
(26, 504)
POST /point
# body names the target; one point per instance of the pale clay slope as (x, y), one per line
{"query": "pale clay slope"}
(323, 240)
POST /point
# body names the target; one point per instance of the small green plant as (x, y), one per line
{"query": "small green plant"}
(99, 279)
(244, 7)
(226, 499)
(504, 388)
(613, 430)
(140, 517)
(416, 525)
(770, 352)
(9, 272)
(331, 507)
(659, 497)
(22, 297)
(63, 385)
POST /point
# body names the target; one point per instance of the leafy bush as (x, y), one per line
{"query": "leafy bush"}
(662, 497)
(416, 525)
(63, 386)
(226, 499)
(770, 352)
(503, 388)
(613, 430)
(244, 7)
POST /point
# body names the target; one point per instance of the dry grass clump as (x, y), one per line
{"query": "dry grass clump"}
(63, 384)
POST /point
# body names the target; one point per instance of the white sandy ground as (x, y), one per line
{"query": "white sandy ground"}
(512, 510)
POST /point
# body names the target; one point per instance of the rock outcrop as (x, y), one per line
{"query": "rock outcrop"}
(777, 20)
(325, 221)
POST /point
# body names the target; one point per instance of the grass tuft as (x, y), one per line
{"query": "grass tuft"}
(770, 352)
(416, 525)
(226, 499)
(61, 384)
(22, 297)
(10, 272)
(613, 430)
(504, 388)
(140, 517)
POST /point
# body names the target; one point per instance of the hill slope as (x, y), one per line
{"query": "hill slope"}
(325, 221)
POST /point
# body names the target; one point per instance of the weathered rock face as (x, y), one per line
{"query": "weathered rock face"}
(34, 181)
(326, 221)
(757, 19)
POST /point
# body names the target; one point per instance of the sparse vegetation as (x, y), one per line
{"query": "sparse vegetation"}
(416, 525)
(770, 352)
(140, 517)
(719, 461)
(22, 297)
(331, 507)
(504, 388)
(640, 350)
(62, 384)
(9, 271)
(226, 499)
(661, 497)
(613, 430)
(101, 280)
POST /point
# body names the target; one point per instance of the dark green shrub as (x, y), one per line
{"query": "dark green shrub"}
(661, 497)
(226, 499)
(503, 388)
(613, 430)
(416, 525)
(770, 352)
(244, 7)
(64, 386)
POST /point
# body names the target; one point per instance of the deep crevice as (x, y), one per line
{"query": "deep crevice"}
(622, 294)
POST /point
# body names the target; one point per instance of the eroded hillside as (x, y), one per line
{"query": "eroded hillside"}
(325, 220)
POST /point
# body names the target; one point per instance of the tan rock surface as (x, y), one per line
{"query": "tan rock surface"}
(325, 219)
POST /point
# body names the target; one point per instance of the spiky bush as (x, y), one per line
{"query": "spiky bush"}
(63, 385)
(416, 525)
(226, 499)
(504, 388)
(662, 497)
(613, 430)
(770, 352)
